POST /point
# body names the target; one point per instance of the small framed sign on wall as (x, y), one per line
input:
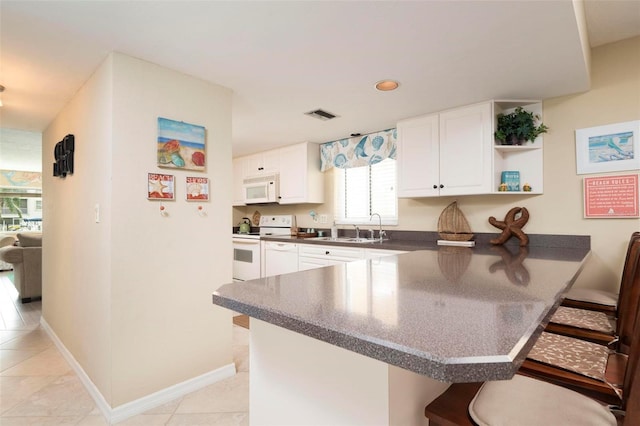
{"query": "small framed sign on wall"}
(197, 189)
(611, 197)
(160, 187)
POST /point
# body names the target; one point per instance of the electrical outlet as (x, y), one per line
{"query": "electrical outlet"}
(323, 218)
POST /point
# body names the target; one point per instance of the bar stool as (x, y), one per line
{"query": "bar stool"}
(525, 400)
(596, 300)
(585, 366)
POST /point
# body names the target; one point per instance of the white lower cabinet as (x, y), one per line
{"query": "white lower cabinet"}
(315, 256)
(280, 258)
(283, 258)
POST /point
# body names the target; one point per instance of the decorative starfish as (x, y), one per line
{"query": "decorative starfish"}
(511, 226)
(157, 186)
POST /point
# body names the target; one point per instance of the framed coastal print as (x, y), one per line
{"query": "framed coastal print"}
(610, 148)
(197, 189)
(180, 145)
(161, 187)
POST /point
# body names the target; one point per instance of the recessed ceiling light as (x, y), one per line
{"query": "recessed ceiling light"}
(387, 85)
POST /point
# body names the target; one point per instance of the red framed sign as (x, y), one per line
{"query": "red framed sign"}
(611, 196)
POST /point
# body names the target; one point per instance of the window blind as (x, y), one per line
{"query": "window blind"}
(362, 191)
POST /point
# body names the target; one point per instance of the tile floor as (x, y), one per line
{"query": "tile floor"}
(38, 387)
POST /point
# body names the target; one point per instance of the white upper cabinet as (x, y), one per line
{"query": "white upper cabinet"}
(447, 153)
(417, 157)
(301, 180)
(454, 153)
(263, 163)
(466, 139)
(239, 172)
(298, 166)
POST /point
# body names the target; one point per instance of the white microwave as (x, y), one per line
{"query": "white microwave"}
(261, 189)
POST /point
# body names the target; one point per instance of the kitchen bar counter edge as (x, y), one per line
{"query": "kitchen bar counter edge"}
(441, 369)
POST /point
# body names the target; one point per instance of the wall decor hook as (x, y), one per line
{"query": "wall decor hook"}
(163, 211)
(201, 211)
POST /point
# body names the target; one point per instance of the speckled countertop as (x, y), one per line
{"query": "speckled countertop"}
(453, 314)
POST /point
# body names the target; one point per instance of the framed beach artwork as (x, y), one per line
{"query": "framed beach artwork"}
(197, 189)
(610, 148)
(161, 187)
(180, 145)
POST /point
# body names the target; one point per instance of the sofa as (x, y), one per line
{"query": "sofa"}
(26, 258)
(6, 240)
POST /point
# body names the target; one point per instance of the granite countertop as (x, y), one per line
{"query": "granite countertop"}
(420, 240)
(450, 313)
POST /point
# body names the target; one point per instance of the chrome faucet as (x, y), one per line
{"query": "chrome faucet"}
(357, 232)
(381, 233)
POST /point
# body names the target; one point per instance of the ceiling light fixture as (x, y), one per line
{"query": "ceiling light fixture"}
(387, 85)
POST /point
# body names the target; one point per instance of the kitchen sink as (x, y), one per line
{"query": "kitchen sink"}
(348, 240)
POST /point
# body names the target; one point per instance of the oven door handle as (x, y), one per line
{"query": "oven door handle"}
(247, 242)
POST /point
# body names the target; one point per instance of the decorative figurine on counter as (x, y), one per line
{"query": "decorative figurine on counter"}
(515, 219)
(526, 187)
(502, 187)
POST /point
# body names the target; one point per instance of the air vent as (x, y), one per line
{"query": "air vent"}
(321, 114)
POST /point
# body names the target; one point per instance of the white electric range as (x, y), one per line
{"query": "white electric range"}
(246, 247)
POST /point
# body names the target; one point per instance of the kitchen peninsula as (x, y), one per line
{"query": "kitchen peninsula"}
(361, 343)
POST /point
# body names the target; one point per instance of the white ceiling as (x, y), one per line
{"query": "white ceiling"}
(282, 59)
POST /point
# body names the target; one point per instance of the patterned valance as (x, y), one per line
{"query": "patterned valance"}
(359, 151)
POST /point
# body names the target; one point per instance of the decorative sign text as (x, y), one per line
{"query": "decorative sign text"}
(611, 197)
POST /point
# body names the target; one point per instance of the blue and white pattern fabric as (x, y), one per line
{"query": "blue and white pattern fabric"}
(359, 151)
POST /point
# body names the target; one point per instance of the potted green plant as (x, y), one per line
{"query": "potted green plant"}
(518, 127)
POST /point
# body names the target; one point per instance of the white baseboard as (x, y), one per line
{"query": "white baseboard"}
(140, 405)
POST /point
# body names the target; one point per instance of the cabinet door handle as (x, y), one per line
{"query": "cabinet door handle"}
(326, 252)
(435, 186)
(260, 168)
(441, 186)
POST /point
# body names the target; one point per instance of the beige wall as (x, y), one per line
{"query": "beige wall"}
(614, 97)
(130, 297)
(76, 269)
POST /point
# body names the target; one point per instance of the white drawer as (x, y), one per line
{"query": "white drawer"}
(331, 252)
